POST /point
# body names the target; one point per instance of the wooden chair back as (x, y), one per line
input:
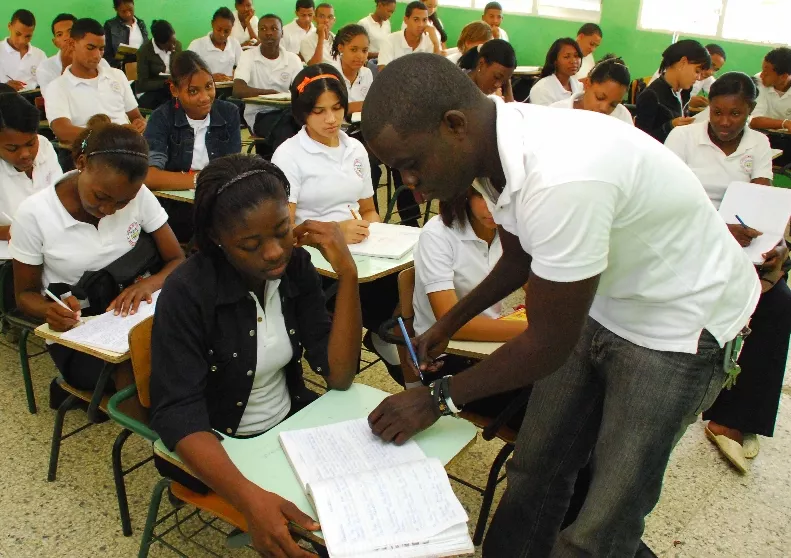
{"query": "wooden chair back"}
(130, 69)
(140, 353)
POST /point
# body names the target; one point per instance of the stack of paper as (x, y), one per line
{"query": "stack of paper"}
(374, 498)
(387, 241)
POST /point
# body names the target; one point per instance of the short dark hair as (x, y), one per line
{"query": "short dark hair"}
(406, 79)
(384, 2)
(17, 113)
(186, 64)
(611, 68)
(412, 6)
(25, 17)
(346, 34)
(494, 51)
(216, 208)
(302, 103)
(237, 2)
(716, 49)
(85, 26)
(270, 16)
(690, 49)
(62, 17)
(129, 149)
(161, 31)
(735, 83)
(224, 13)
(117, 3)
(324, 5)
(590, 29)
(780, 58)
(493, 6)
(554, 52)
(457, 211)
(305, 5)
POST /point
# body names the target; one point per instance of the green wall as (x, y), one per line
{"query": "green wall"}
(531, 36)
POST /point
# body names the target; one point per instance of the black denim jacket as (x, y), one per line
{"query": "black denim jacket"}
(115, 33)
(204, 349)
(657, 106)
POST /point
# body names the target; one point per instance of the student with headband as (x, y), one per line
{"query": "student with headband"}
(491, 67)
(252, 281)
(90, 218)
(557, 76)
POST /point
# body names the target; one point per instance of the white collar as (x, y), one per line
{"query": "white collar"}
(76, 80)
(404, 42)
(747, 141)
(159, 51)
(312, 146)
(132, 26)
(12, 50)
(199, 125)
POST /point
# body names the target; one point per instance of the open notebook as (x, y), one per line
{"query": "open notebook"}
(387, 241)
(374, 498)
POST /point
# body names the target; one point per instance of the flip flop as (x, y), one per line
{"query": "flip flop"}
(731, 449)
(751, 446)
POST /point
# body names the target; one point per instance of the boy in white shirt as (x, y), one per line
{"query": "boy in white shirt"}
(589, 38)
(297, 30)
(19, 59)
(245, 25)
(316, 47)
(493, 15)
(412, 39)
(219, 49)
(87, 88)
(53, 66)
(773, 110)
(28, 162)
(378, 25)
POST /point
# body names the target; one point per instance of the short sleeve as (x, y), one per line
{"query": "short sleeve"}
(288, 164)
(762, 160)
(237, 52)
(194, 47)
(676, 142)
(27, 238)
(295, 66)
(568, 229)
(386, 54)
(539, 94)
(308, 46)
(761, 106)
(362, 155)
(434, 258)
(151, 213)
(244, 69)
(130, 101)
(49, 159)
(56, 102)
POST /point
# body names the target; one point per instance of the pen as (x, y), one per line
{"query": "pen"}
(409, 347)
(354, 215)
(56, 299)
(742, 223)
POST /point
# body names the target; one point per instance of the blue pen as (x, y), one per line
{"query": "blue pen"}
(742, 223)
(410, 347)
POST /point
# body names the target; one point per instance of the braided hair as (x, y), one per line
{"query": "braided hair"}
(113, 146)
(346, 35)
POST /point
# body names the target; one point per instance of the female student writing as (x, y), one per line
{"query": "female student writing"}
(153, 60)
(490, 67)
(28, 162)
(124, 29)
(607, 85)
(472, 35)
(350, 50)
(88, 219)
(719, 152)
(557, 76)
(250, 283)
(660, 108)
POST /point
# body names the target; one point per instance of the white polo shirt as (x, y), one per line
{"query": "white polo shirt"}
(377, 32)
(620, 113)
(629, 210)
(751, 160)
(219, 61)
(325, 181)
(504, 35)
(260, 72)
(585, 68)
(164, 55)
(308, 47)
(269, 400)
(359, 89)
(773, 104)
(51, 69)
(703, 86)
(240, 33)
(450, 259)
(44, 233)
(78, 99)
(395, 46)
(15, 186)
(200, 155)
(20, 68)
(549, 90)
(135, 35)
(293, 35)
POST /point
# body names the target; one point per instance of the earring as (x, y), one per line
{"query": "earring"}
(177, 102)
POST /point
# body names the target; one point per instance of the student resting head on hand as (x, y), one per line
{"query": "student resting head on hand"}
(557, 76)
(490, 66)
(253, 283)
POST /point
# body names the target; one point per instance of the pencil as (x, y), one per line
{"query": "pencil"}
(354, 214)
(742, 223)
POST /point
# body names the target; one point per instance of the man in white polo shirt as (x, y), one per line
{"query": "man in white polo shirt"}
(412, 39)
(636, 286)
(87, 88)
(773, 110)
(316, 47)
(264, 70)
(297, 30)
(219, 49)
(378, 25)
(19, 59)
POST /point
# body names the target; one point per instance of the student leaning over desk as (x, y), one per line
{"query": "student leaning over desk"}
(231, 328)
(490, 67)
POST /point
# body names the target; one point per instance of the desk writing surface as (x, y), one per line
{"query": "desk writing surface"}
(776, 153)
(473, 349)
(263, 462)
(273, 99)
(112, 357)
(368, 268)
(187, 196)
(527, 70)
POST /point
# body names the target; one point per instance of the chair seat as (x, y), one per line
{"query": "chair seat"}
(84, 395)
(212, 503)
(17, 318)
(506, 434)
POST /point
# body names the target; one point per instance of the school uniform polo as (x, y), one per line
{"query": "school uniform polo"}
(260, 72)
(200, 155)
(45, 234)
(240, 33)
(15, 186)
(396, 46)
(703, 86)
(326, 182)
(585, 68)
(362, 83)
(136, 38)
(773, 104)
(627, 210)
(293, 35)
(20, 68)
(549, 90)
(504, 35)
(620, 113)
(51, 69)
(377, 32)
(307, 48)
(219, 61)
(164, 55)
(450, 259)
(79, 99)
(751, 160)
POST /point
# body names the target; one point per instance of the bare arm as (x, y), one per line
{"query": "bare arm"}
(5, 232)
(355, 107)
(136, 120)
(766, 123)
(318, 53)
(158, 179)
(65, 131)
(368, 211)
(480, 328)
(242, 91)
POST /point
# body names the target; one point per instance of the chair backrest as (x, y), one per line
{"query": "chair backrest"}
(140, 352)
(131, 70)
(638, 86)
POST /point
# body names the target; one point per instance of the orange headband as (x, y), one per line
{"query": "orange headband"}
(305, 82)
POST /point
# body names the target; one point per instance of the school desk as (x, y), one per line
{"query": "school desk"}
(262, 461)
(223, 84)
(368, 268)
(187, 196)
(473, 349)
(777, 153)
(281, 103)
(527, 71)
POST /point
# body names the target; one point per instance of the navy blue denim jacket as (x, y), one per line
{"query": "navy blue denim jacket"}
(117, 32)
(171, 138)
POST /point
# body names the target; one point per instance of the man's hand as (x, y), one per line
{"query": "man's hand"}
(17, 85)
(267, 516)
(774, 258)
(743, 235)
(698, 103)
(401, 416)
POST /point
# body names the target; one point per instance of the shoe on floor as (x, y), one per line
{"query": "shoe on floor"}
(731, 449)
(751, 446)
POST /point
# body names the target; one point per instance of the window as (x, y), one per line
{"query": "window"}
(579, 10)
(756, 21)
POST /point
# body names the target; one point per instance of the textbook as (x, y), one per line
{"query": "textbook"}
(375, 498)
(124, 50)
(387, 241)
(519, 314)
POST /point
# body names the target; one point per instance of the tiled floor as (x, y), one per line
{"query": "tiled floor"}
(706, 510)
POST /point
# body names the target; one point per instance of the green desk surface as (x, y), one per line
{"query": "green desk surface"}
(368, 268)
(187, 196)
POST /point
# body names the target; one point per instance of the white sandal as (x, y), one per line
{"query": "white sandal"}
(731, 449)
(751, 446)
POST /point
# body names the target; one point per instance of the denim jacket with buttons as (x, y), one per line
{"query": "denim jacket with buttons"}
(204, 346)
(116, 33)
(171, 139)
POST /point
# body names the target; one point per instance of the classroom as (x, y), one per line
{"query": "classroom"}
(527, 332)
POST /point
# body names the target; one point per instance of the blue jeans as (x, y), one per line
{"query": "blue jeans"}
(619, 406)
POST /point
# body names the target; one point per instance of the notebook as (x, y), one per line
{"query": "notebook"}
(764, 208)
(109, 332)
(376, 499)
(387, 241)
(518, 315)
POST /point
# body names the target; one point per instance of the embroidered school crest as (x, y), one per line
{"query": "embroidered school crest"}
(33, 70)
(364, 90)
(133, 233)
(746, 163)
(358, 167)
(284, 77)
(116, 87)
